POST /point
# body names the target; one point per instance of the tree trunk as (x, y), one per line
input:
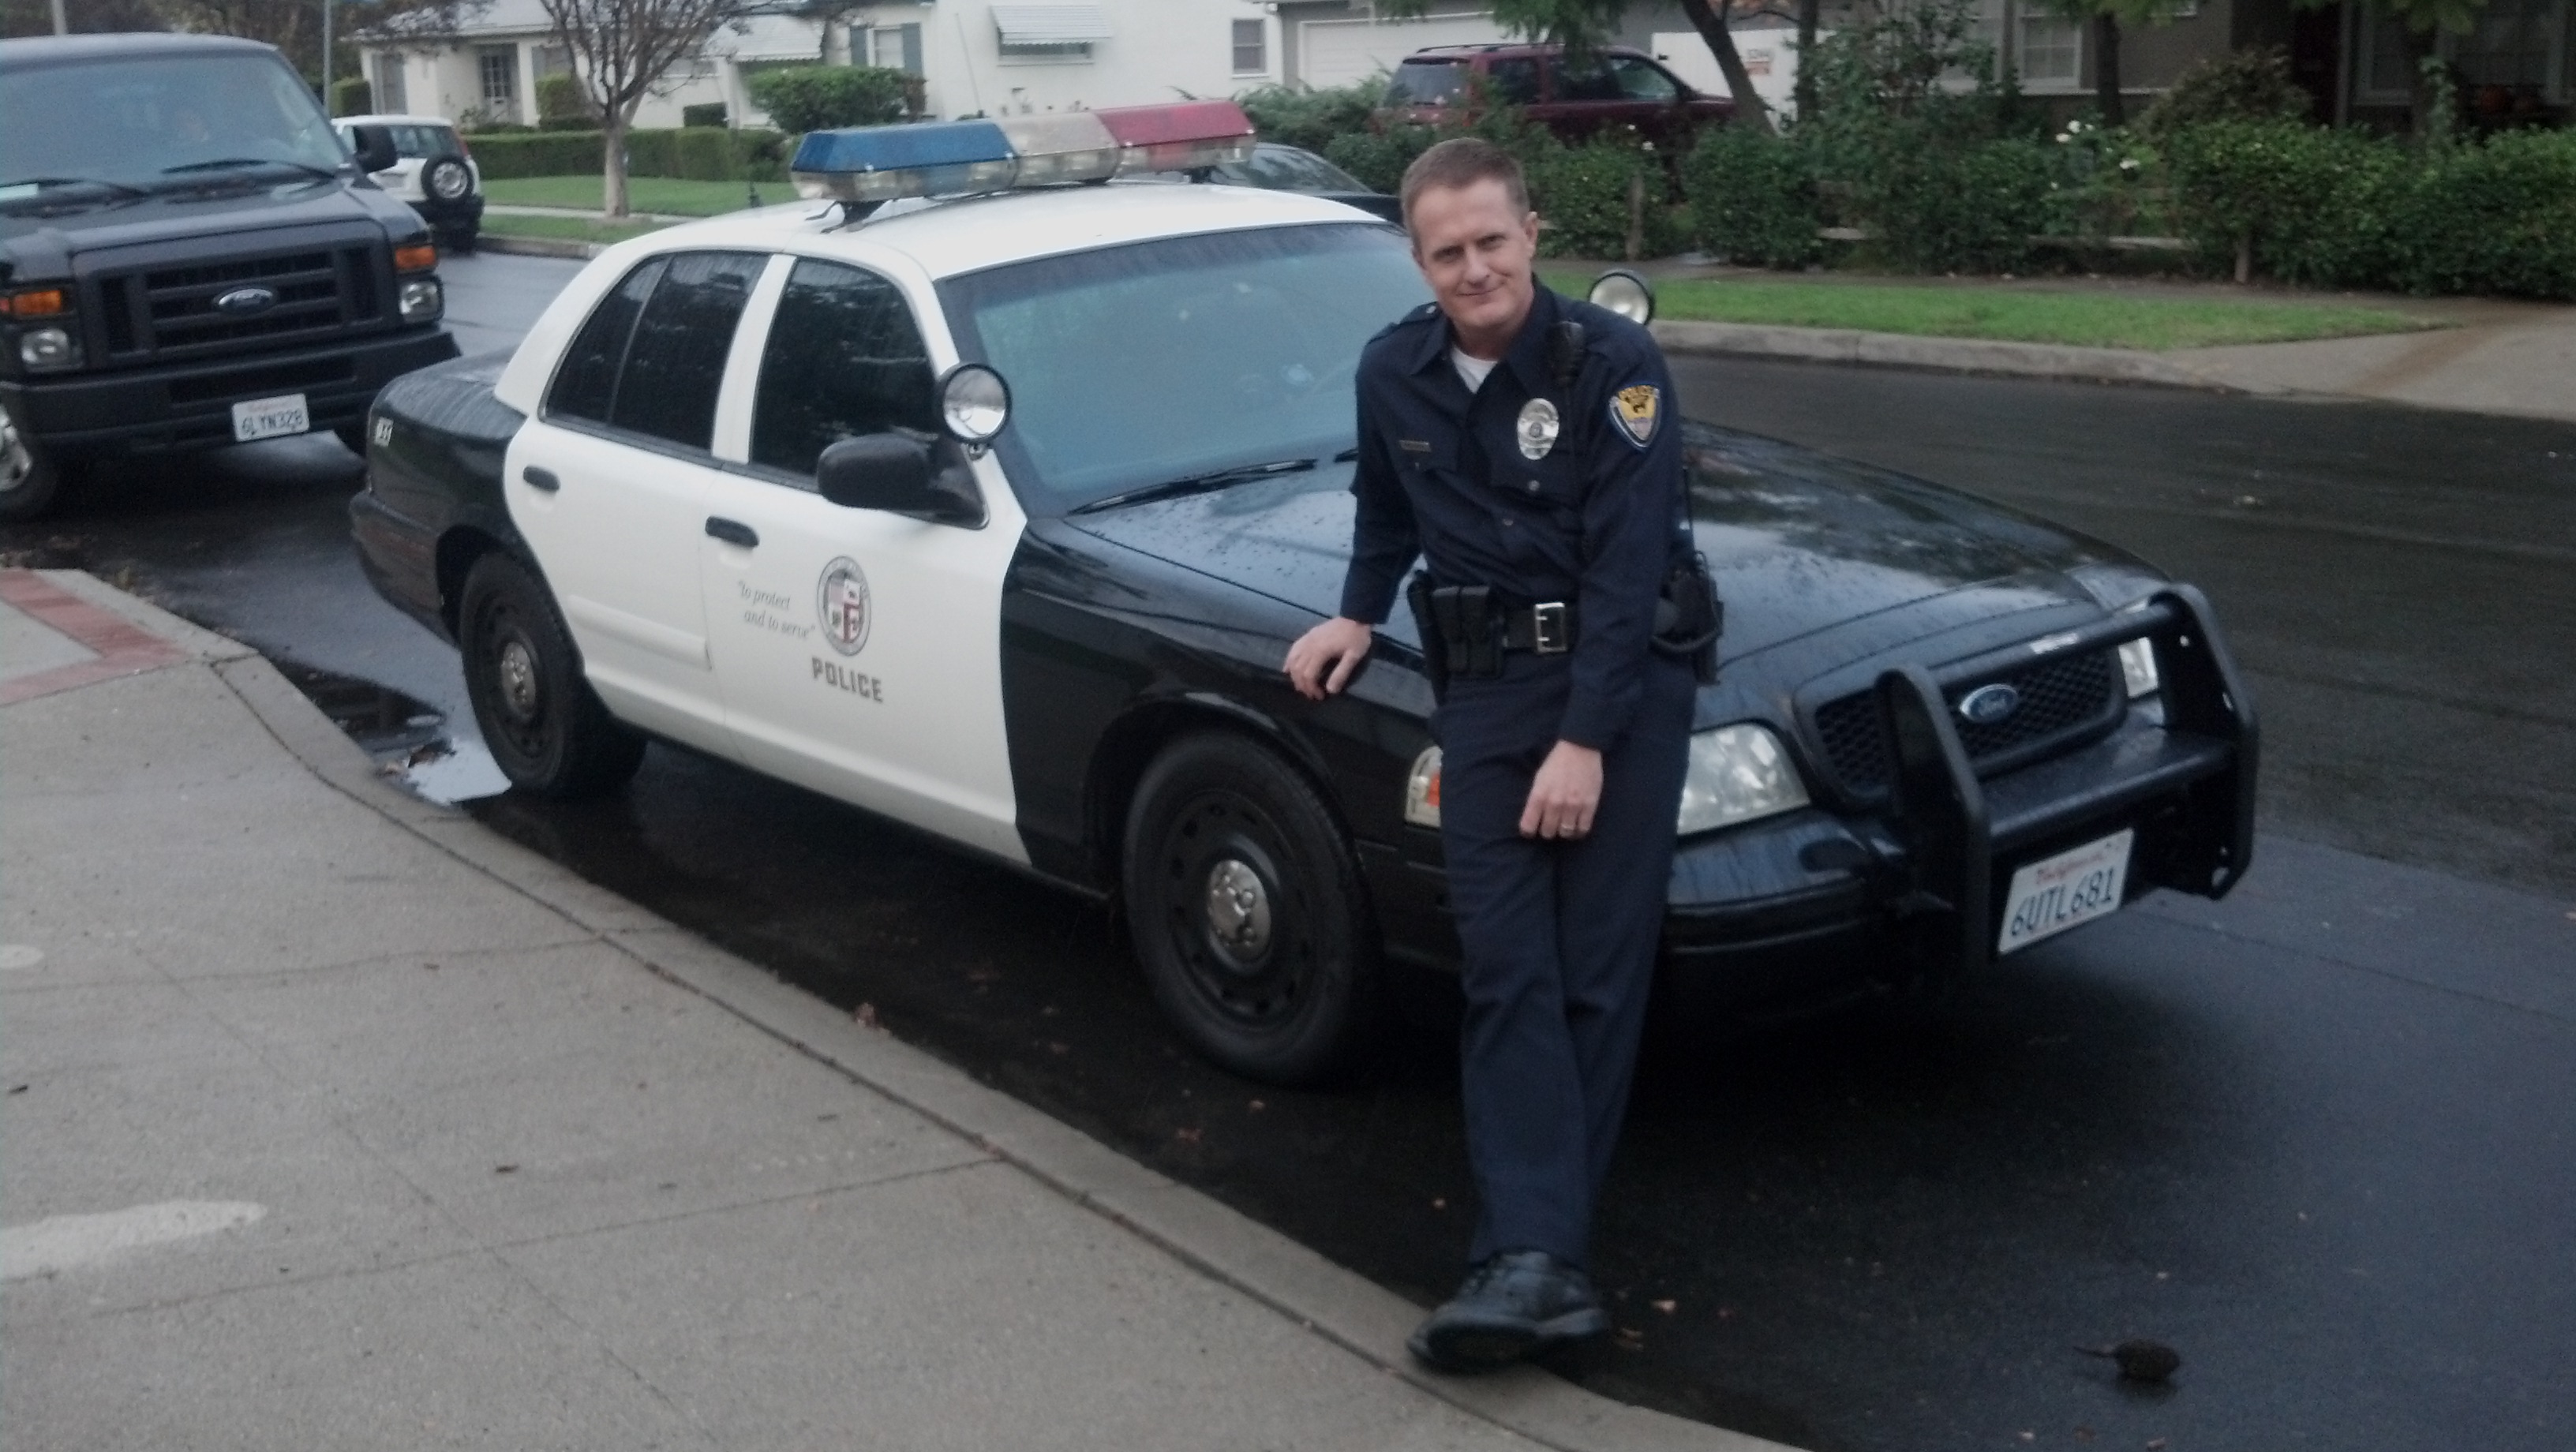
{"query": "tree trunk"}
(612, 140)
(1803, 93)
(2424, 99)
(1721, 43)
(2106, 68)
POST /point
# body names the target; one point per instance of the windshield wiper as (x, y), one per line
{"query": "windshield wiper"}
(74, 181)
(228, 163)
(1195, 484)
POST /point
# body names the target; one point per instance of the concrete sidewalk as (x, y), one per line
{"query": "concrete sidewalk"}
(333, 1120)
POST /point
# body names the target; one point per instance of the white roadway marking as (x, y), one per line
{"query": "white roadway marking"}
(17, 957)
(59, 1243)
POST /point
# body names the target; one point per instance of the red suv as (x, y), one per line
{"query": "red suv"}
(1613, 85)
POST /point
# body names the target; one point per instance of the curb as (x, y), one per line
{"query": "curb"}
(1948, 355)
(538, 246)
(1344, 1308)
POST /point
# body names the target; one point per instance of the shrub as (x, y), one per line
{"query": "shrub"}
(561, 105)
(352, 96)
(2495, 217)
(814, 98)
(711, 113)
(1379, 159)
(1963, 209)
(548, 153)
(2276, 195)
(1752, 197)
(2243, 85)
(1312, 119)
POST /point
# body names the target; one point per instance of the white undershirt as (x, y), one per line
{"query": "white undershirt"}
(1472, 370)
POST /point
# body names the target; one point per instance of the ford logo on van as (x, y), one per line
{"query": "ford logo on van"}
(1989, 705)
(242, 302)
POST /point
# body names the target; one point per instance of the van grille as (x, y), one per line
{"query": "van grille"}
(170, 312)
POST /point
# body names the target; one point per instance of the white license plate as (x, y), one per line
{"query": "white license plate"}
(2056, 893)
(270, 418)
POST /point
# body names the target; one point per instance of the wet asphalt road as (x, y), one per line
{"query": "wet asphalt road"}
(2321, 1137)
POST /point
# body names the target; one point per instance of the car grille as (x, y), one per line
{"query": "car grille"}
(170, 311)
(2063, 701)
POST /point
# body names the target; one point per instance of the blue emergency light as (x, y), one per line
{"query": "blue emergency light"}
(869, 164)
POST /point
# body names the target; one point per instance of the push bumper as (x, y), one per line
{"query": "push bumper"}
(190, 406)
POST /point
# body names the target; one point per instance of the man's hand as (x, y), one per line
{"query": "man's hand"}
(1564, 794)
(1323, 659)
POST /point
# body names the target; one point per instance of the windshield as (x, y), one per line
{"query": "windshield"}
(141, 122)
(1133, 366)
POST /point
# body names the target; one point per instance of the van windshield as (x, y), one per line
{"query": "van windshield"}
(160, 121)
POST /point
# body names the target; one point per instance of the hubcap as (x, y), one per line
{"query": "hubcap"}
(1238, 911)
(17, 462)
(518, 672)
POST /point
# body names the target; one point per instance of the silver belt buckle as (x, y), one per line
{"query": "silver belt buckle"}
(1547, 629)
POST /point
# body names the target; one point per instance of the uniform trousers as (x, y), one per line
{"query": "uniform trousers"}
(1560, 939)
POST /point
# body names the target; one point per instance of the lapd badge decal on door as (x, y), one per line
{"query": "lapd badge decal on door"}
(1636, 409)
(841, 600)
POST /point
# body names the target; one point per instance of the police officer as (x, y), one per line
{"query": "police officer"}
(1537, 473)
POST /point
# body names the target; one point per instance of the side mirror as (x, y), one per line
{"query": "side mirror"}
(374, 146)
(901, 475)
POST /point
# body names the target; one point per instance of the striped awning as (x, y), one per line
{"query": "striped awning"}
(1059, 24)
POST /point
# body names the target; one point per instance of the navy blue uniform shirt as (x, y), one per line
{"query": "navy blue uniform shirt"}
(1596, 520)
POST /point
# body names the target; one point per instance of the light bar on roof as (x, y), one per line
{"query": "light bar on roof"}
(870, 164)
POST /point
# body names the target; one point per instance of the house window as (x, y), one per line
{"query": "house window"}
(390, 99)
(1059, 31)
(549, 60)
(2051, 51)
(1251, 48)
(499, 67)
(896, 48)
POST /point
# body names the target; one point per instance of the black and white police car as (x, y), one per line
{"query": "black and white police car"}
(990, 501)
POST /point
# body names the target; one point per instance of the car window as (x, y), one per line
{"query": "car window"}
(1639, 81)
(412, 143)
(1284, 168)
(1514, 81)
(651, 355)
(1588, 81)
(844, 358)
(1135, 365)
(1426, 83)
(586, 380)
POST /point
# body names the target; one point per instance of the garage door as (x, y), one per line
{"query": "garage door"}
(1338, 52)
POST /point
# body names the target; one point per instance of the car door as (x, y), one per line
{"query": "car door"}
(609, 485)
(859, 650)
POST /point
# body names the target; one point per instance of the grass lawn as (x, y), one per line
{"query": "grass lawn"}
(2094, 320)
(643, 194)
(578, 229)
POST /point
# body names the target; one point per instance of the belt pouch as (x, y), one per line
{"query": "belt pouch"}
(1482, 625)
(1435, 641)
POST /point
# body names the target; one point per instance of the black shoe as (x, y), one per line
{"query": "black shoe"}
(1517, 1303)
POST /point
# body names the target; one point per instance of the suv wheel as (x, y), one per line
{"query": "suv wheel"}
(1248, 912)
(446, 180)
(546, 730)
(30, 477)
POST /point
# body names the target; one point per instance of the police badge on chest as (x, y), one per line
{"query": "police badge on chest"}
(1537, 428)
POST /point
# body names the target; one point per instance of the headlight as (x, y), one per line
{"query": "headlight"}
(2138, 665)
(1737, 773)
(48, 348)
(421, 300)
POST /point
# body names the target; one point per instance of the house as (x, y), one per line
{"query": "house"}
(992, 57)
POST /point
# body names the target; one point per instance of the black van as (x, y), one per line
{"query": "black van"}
(190, 257)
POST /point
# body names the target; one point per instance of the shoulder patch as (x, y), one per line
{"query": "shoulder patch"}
(1637, 409)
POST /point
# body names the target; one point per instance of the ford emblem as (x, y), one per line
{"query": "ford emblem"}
(241, 302)
(1989, 705)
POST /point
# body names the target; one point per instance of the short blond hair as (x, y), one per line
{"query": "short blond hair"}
(1463, 161)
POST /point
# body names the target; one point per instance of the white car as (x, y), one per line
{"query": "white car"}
(437, 174)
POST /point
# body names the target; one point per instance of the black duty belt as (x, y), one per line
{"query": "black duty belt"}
(1465, 630)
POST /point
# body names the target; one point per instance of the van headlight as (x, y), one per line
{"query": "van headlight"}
(422, 300)
(1737, 773)
(2138, 667)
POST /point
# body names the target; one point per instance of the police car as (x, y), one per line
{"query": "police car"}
(988, 499)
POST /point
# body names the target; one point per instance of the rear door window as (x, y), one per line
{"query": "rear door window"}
(650, 358)
(1514, 81)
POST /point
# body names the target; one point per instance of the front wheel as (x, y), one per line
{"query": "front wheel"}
(1249, 914)
(30, 477)
(546, 729)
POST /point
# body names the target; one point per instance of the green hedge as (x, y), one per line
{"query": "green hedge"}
(696, 153)
(1753, 196)
(707, 113)
(815, 98)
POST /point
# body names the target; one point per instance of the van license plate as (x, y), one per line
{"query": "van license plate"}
(270, 418)
(2056, 893)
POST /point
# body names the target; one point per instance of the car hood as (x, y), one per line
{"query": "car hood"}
(1801, 542)
(170, 218)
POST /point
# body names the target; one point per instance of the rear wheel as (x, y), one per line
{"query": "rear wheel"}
(30, 476)
(1248, 912)
(546, 729)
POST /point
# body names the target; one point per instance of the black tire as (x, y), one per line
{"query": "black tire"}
(446, 180)
(458, 241)
(1276, 977)
(31, 478)
(545, 728)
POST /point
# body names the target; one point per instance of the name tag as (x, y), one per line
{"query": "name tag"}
(1414, 446)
